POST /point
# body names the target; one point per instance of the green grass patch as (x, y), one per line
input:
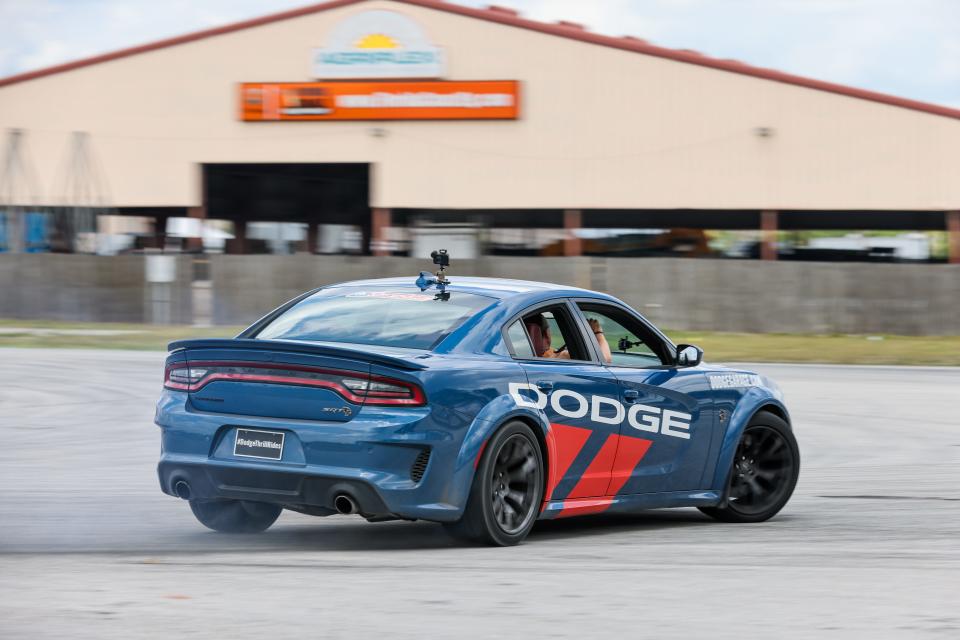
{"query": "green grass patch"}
(836, 349)
(719, 347)
(101, 335)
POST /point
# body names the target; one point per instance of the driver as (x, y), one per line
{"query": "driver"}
(539, 331)
(540, 338)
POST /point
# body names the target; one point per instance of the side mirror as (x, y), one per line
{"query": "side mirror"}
(689, 355)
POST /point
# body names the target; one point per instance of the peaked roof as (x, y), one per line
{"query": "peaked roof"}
(510, 17)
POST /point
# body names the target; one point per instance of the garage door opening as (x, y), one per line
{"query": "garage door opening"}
(285, 208)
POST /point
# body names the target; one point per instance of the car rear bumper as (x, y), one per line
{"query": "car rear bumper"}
(315, 494)
(391, 462)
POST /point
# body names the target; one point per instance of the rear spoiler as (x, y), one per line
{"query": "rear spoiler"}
(297, 347)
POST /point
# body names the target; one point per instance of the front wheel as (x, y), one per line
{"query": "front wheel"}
(504, 500)
(235, 516)
(764, 473)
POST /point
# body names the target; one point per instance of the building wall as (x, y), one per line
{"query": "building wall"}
(721, 295)
(601, 128)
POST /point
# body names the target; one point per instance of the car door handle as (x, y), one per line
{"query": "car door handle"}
(545, 385)
(630, 395)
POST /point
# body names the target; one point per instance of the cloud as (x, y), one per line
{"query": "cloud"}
(39, 33)
(903, 48)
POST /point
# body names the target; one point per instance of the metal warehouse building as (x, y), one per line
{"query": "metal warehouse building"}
(375, 113)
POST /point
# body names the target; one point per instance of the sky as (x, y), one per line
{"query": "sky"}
(906, 48)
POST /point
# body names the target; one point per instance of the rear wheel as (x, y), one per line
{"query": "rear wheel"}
(235, 516)
(764, 474)
(507, 489)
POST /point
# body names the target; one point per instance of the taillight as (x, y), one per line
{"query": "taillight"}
(354, 386)
(379, 390)
(182, 377)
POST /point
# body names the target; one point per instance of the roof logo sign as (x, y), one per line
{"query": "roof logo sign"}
(378, 44)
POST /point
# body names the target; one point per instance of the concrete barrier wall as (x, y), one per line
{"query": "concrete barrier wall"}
(722, 295)
(246, 287)
(89, 289)
(773, 297)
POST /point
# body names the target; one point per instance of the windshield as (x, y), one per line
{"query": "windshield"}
(390, 318)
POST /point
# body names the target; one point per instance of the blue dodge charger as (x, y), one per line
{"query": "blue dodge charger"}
(483, 404)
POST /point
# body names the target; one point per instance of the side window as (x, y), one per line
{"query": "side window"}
(553, 334)
(628, 342)
(519, 345)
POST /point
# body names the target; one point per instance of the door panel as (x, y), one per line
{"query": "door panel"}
(581, 403)
(668, 424)
(671, 409)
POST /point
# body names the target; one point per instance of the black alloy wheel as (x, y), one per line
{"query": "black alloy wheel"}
(514, 484)
(507, 489)
(764, 472)
(762, 468)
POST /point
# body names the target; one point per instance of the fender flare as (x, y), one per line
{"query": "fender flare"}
(752, 402)
(491, 418)
(494, 415)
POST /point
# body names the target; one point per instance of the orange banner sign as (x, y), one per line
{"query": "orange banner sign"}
(438, 100)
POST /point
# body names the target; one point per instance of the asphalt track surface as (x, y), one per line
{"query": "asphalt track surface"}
(869, 547)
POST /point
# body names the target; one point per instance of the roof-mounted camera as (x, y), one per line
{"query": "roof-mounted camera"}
(426, 280)
(441, 258)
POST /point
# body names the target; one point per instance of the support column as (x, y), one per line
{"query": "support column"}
(572, 220)
(239, 242)
(768, 235)
(160, 231)
(197, 213)
(953, 237)
(380, 219)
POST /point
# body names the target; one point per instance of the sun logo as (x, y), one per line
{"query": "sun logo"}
(377, 41)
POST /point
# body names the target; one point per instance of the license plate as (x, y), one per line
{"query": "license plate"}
(267, 445)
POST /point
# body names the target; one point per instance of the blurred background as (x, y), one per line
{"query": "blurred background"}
(204, 178)
(776, 181)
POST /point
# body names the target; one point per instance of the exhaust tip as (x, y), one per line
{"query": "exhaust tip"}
(345, 505)
(182, 489)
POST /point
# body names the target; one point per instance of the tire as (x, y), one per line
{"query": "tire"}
(507, 489)
(764, 472)
(235, 516)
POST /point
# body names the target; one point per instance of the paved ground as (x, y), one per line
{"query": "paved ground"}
(89, 547)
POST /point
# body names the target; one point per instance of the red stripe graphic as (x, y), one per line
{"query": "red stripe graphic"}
(596, 478)
(629, 454)
(563, 444)
(584, 506)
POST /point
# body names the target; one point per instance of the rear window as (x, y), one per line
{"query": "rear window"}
(390, 318)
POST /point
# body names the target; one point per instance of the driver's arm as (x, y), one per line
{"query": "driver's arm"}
(601, 340)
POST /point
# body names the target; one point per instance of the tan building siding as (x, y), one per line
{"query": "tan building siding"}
(600, 128)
